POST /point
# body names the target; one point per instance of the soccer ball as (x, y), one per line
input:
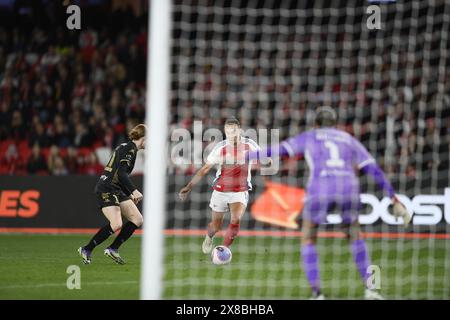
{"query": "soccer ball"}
(221, 255)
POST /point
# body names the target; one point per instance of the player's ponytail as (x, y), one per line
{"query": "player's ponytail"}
(137, 132)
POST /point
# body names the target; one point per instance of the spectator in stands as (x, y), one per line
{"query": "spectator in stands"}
(60, 135)
(5, 119)
(91, 166)
(59, 168)
(62, 110)
(51, 158)
(82, 136)
(17, 131)
(11, 162)
(72, 161)
(80, 89)
(36, 161)
(39, 136)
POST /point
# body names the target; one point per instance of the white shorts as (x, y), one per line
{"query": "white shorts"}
(220, 200)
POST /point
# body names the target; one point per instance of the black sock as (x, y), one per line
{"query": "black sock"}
(99, 237)
(124, 235)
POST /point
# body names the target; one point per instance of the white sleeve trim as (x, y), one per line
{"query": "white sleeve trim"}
(288, 148)
(253, 144)
(365, 163)
(214, 155)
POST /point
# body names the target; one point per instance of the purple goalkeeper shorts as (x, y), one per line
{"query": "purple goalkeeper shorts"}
(316, 208)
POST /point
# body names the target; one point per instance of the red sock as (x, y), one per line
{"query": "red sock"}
(232, 232)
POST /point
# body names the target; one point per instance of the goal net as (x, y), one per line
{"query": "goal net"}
(271, 64)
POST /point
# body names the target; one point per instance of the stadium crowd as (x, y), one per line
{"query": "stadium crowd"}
(394, 96)
(64, 96)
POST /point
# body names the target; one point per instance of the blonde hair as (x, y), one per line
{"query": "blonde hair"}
(137, 132)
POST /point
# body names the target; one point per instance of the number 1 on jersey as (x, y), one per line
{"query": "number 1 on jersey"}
(335, 160)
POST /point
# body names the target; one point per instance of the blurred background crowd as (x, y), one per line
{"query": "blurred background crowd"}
(272, 68)
(68, 97)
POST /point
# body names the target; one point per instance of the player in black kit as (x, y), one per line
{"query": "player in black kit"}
(117, 196)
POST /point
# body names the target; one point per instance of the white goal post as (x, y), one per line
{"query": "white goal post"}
(157, 103)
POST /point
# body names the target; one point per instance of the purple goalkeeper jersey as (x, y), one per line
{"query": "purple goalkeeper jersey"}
(332, 156)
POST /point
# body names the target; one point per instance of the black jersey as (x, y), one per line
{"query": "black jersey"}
(115, 175)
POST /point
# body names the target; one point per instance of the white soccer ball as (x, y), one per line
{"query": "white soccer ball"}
(221, 255)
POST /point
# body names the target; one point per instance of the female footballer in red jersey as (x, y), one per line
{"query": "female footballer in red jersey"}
(117, 196)
(231, 185)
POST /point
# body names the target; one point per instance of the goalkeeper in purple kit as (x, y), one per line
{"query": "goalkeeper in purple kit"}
(333, 157)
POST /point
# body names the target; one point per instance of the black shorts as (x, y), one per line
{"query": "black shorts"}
(110, 198)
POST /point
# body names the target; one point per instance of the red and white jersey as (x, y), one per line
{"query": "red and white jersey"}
(233, 173)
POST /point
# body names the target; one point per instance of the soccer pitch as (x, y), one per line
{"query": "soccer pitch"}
(34, 267)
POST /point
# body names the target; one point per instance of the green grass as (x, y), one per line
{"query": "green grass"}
(34, 267)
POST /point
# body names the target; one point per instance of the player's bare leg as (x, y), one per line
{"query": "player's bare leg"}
(360, 257)
(114, 217)
(131, 213)
(310, 258)
(213, 227)
(237, 210)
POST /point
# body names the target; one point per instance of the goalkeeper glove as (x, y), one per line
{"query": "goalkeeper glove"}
(399, 210)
